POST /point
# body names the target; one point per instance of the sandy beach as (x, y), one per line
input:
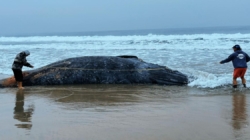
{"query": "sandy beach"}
(102, 112)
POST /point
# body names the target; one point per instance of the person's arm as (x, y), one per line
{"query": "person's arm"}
(27, 64)
(230, 58)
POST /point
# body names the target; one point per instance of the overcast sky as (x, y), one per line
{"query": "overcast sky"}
(45, 16)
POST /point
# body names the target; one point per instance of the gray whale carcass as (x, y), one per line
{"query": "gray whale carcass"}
(100, 70)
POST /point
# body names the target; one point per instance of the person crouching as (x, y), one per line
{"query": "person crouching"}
(17, 66)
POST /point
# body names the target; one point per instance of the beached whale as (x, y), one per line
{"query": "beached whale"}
(100, 70)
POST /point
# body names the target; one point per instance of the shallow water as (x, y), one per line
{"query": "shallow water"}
(124, 112)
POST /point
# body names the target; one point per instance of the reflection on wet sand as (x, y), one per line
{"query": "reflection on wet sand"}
(104, 95)
(124, 112)
(239, 116)
(21, 114)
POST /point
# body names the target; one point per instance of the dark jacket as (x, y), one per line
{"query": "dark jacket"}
(239, 59)
(20, 61)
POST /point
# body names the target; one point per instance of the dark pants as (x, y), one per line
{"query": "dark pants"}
(18, 75)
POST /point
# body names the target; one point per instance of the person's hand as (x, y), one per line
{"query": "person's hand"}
(32, 66)
(220, 63)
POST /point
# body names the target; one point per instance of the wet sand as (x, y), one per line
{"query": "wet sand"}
(134, 112)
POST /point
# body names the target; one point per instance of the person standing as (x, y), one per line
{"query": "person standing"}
(239, 60)
(17, 66)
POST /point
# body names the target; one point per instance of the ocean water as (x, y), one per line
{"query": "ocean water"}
(195, 52)
(206, 109)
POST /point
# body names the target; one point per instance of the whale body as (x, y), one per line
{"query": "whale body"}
(100, 70)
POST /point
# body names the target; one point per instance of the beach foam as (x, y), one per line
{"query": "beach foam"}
(202, 79)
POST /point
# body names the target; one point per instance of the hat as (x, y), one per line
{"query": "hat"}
(237, 47)
(26, 52)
